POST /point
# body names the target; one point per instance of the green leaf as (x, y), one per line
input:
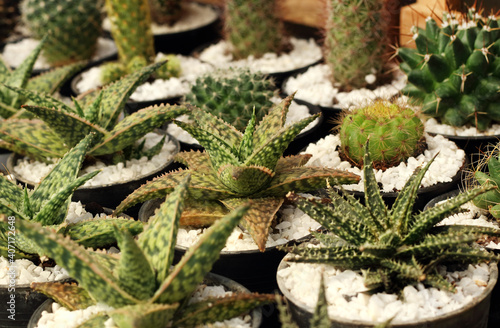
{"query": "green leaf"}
(71, 296)
(373, 199)
(143, 315)
(51, 81)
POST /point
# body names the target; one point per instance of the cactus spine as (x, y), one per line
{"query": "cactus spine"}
(355, 40)
(73, 27)
(233, 95)
(253, 28)
(395, 133)
(454, 72)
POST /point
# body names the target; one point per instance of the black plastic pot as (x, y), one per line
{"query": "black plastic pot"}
(109, 195)
(473, 315)
(18, 306)
(210, 279)
(253, 269)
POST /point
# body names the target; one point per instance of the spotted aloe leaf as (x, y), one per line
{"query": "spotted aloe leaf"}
(33, 138)
(4, 71)
(10, 194)
(91, 275)
(68, 295)
(198, 260)
(135, 126)
(51, 81)
(134, 271)
(143, 315)
(7, 110)
(272, 122)
(70, 127)
(213, 309)
(41, 99)
(158, 241)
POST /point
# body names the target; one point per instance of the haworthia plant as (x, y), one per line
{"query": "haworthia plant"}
(141, 284)
(238, 166)
(62, 126)
(392, 247)
(21, 77)
(48, 205)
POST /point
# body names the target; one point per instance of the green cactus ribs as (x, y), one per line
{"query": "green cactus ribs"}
(487, 173)
(454, 72)
(395, 132)
(73, 27)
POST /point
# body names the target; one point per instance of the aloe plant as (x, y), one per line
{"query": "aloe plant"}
(238, 166)
(392, 247)
(141, 284)
(48, 82)
(61, 126)
(48, 205)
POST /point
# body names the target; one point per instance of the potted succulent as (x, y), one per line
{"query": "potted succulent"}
(394, 250)
(139, 284)
(48, 204)
(398, 145)
(237, 166)
(72, 29)
(60, 126)
(452, 74)
(255, 37)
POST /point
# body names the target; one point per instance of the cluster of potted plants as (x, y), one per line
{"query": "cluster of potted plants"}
(105, 221)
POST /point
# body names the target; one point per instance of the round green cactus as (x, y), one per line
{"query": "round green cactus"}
(454, 72)
(172, 68)
(395, 133)
(73, 27)
(233, 95)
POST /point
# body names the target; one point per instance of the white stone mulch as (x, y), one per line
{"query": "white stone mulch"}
(195, 16)
(61, 317)
(191, 68)
(16, 52)
(446, 165)
(133, 169)
(304, 53)
(432, 125)
(344, 293)
(296, 112)
(27, 272)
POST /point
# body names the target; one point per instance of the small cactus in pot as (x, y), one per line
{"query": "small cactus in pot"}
(487, 173)
(73, 27)
(396, 133)
(453, 73)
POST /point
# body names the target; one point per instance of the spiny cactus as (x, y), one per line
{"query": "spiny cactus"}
(490, 177)
(392, 247)
(165, 11)
(233, 95)
(140, 284)
(454, 73)
(253, 28)
(48, 205)
(239, 166)
(9, 14)
(61, 126)
(73, 27)
(395, 133)
(48, 82)
(355, 40)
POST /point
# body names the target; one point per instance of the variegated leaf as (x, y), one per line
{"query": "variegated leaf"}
(245, 180)
(272, 122)
(198, 260)
(217, 127)
(158, 239)
(144, 315)
(135, 273)
(51, 81)
(6, 110)
(5, 71)
(96, 321)
(10, 193)
(40, 99)
(320, 318)
(19, 77)
(292, 161)
(194, 160)
(32, 138)
(202, 213)
(135, 126)
(259, 217)
(68, 295)
(373, 199)
(70, 127)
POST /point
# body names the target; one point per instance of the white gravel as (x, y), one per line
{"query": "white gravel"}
(191, 68)
(34, 171)
(432, 125)
(296, 112)
(293, 224)
(303, 53)
(61, 317)
(195, 16)
(314, 86)
(446, 165)
(346, 300)
(15, 53)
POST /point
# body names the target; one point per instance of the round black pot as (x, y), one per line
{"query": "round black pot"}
(109, 195)
(210, 280)
(473, 315)
(18, 306)
(253, 269)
